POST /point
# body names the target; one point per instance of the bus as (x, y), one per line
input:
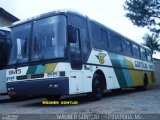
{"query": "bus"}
(4, 56)
(66, 53)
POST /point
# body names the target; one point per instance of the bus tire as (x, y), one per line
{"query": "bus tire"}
(53, 98)
(145, 84)
(97, 88)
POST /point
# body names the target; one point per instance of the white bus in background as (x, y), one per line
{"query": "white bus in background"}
(4, 55)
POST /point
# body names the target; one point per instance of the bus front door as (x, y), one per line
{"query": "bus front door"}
(76, 82)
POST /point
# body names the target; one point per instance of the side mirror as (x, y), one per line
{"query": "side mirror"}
(72, 34)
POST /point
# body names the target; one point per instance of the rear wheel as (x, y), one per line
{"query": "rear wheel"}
(145, 83)
(97, 89)
(52, 98)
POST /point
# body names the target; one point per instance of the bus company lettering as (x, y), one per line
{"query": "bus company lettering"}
(139, 64)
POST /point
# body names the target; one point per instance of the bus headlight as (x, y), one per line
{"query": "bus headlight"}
(49, 74)
(56, 74)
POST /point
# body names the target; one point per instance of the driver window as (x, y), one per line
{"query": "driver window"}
(75, 49)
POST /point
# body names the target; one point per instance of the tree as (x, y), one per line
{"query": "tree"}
(151, 41)
(144, 13)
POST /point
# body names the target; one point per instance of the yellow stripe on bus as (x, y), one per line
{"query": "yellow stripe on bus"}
(129, 62)
(50, 67)
(137, 77)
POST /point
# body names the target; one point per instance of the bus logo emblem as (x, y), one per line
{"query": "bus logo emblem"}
(101, 57)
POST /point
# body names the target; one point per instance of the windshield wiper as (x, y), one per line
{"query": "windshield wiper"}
(18, 58)
(41, 57)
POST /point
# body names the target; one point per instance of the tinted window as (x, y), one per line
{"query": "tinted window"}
(143, 53)
(75, 49)
(85, 43)
(5, 42)
(115, 43)
(149, 55)
(104, 39)
(135, 50)
(77, 20)
(49, 38)
(81, 24)
(127, 47)
(20, 40)
(96, 41)
(2, 52)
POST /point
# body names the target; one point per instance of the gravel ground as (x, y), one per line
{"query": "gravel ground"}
(128, 101)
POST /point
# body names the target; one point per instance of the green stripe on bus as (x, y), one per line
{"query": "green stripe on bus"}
(118, 71)
(126, 72)
(31, 69)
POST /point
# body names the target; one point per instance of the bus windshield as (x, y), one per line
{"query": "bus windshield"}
(4, 48)
(43, 39)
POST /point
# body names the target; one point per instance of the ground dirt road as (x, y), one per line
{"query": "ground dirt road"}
(128, 101)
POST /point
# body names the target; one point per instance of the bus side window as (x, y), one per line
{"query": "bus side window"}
(135, 50)
(115, 43)
(1, 52)
(75, 50)
(143, 53)
(104, 39)
(127, 47)
(96, 40)
(75, 47)
(81, 23)
(149, 55)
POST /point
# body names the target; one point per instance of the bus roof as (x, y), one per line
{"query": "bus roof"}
(65, 11)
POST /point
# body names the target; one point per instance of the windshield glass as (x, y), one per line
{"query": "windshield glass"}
(20, 40)
(42, 39)
(49, 38)
(4, 48)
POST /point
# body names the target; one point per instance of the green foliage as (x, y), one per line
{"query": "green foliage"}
(144, 13)
(151, 41)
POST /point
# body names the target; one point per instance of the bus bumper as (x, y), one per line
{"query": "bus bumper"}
(42, 87)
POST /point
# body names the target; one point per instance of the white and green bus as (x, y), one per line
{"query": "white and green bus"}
(66, 53)
(5, 39)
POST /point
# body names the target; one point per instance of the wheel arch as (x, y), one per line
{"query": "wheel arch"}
(102, 78)
(145, 79)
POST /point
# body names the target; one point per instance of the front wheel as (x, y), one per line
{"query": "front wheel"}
(97, 89)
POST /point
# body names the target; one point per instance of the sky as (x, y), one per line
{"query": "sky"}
(108, 12)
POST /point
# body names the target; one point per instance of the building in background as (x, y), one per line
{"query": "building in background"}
(157, 70)
(6, 18)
